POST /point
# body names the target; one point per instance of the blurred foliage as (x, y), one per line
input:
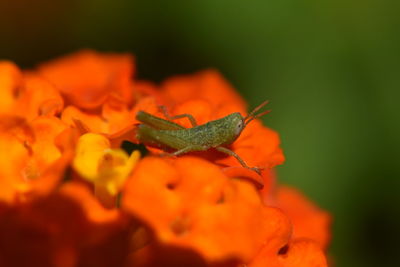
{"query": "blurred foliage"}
(329, 67)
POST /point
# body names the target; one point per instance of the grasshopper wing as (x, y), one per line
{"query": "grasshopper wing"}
(156, 122)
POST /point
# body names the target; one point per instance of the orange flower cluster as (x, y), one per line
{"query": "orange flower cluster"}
(70, 195)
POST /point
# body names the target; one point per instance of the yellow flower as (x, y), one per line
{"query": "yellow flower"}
(106, 168)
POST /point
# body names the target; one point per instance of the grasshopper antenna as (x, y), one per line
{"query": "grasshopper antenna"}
(252, 114)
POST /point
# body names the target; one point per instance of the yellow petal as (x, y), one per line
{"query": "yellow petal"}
(106, 168)
(89, 152)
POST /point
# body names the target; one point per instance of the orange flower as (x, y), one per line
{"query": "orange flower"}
(189, 203)
(32, 156)
(88, 79)
(71, 196)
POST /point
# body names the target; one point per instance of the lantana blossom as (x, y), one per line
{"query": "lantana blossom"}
(76, 191)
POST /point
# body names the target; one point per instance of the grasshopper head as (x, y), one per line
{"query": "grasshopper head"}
(234, 124)
(231, 126)
(237, 123)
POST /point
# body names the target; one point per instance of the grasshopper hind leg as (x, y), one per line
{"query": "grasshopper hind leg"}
(186, 115)
(164, 140)
(236, 156)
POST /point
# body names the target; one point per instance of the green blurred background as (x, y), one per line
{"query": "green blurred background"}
(329, 67)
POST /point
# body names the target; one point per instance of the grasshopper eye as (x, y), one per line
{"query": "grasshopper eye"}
(239, 127)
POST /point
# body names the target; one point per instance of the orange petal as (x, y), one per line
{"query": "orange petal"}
(93, 122)
(303, 253)
(15, 133)
(299, 253)
(46, 130)
(38, 97)
(128, 133)
(53, 174)
(244, 173)
(27, 153)
(115, 119)
(200, 109)
(88, 78)
(10, 80)
(308, 220)
(146, 88)
(208, 85)
(117, 115)
(93, 210)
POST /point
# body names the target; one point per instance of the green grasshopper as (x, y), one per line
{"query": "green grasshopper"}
(217, 134)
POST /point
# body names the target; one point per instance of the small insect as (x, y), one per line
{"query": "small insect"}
(217, 134)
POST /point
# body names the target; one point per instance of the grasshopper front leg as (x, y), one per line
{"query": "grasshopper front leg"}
(241, 161)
